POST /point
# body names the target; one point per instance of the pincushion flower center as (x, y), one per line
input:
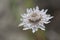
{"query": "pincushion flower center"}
(35, 18)
(34, 15)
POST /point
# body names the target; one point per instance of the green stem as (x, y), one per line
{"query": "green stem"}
(39, 35)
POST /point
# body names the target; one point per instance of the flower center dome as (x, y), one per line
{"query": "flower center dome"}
(34, 17)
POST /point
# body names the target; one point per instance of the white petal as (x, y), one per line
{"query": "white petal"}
(25, 28)
(46, 10)
(37, 7)
(21, 24)
(51, 17)
(47, 22)
(42, 28)
(42, 10)
(28, 11)
(24, 15)
(33, 30)
(33, 9)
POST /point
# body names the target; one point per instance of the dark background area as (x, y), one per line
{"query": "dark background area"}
(53, 28)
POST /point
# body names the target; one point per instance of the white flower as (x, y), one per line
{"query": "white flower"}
(34, 19)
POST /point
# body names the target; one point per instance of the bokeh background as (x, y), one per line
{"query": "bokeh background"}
(10, 11)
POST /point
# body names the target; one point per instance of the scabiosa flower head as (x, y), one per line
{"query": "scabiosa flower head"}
(34, 19)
